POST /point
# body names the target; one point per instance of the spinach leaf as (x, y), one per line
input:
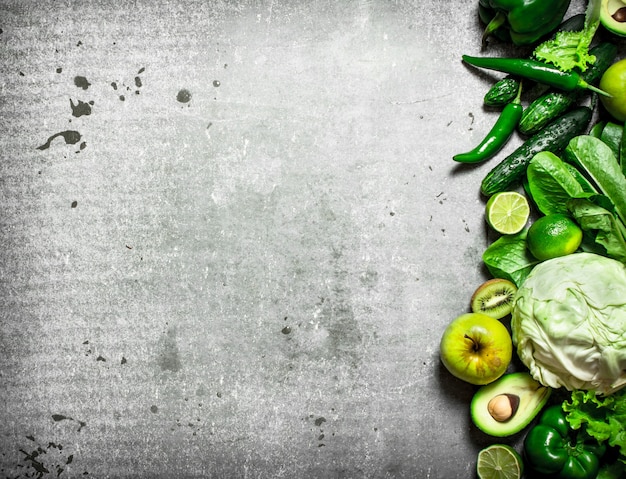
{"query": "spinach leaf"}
(582, 180)
(612, 136)
(508, 258)
(601, 228)
(598, 162)
(551, 183)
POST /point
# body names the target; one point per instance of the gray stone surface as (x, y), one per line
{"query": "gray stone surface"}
(237, 253)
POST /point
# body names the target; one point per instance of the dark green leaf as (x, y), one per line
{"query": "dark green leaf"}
(551, 183)
(600, 165)
(601, 227)
(508, 258)
(612, 136)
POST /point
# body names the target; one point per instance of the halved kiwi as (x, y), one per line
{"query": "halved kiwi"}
(494, 298)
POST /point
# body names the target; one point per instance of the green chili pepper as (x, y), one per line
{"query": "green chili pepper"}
(498, 135)
(553, 447)
(523, 22)
(534, 70)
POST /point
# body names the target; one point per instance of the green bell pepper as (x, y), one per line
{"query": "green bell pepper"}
(552, 447)
(523, 22)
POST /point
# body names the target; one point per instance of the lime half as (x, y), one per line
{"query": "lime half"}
(499, 461)
(507, 212)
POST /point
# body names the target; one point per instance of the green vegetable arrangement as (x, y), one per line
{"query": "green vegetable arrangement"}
(547, 107)
(568, 314)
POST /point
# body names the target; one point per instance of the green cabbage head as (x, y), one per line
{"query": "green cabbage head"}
(569, 323)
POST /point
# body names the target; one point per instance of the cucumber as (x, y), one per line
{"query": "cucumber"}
(550, 105)
(502, 92)
(553, 138)
(544, 109)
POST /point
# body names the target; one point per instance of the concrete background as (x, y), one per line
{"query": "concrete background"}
(232, 235)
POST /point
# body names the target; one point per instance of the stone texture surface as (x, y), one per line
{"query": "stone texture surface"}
(232, 235)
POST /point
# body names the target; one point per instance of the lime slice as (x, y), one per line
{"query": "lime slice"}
(507, 212)
(499, 461)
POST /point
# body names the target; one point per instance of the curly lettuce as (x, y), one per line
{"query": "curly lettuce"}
(569, 323)
(570, 50)
(601, 417)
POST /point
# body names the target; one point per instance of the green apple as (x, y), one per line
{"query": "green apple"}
(476, 348)
(613, 81)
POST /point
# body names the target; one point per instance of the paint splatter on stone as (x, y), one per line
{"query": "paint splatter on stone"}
(81, 108)
(62, 417)
(184, 96)
(81, 82)
(39, 460)
(71, 137)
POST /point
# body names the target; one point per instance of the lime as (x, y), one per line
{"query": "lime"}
(499, 461)
(553, 235)
(507, 212)
(613, 82)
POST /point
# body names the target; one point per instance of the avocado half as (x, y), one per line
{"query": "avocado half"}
(613, 16)
(517, 393)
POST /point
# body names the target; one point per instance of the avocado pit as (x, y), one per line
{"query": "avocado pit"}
(620, 15)
(503, 406)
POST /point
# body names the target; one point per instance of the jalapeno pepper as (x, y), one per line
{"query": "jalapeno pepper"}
(523, 22)
(498, 135)
(534, 70)
(552, 447)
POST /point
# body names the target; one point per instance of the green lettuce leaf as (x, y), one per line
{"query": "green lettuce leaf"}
(601, 227)
(570, 50)
(597, 161)
(602, 417)
(612, 136)
(551, 183)
(509, 258)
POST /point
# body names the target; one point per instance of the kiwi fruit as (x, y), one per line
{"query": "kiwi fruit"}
(494, 298)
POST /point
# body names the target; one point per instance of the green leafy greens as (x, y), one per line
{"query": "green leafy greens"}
(551, 183)
(508, 258)
(601, 417)
(601, 165)
(570, 50)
